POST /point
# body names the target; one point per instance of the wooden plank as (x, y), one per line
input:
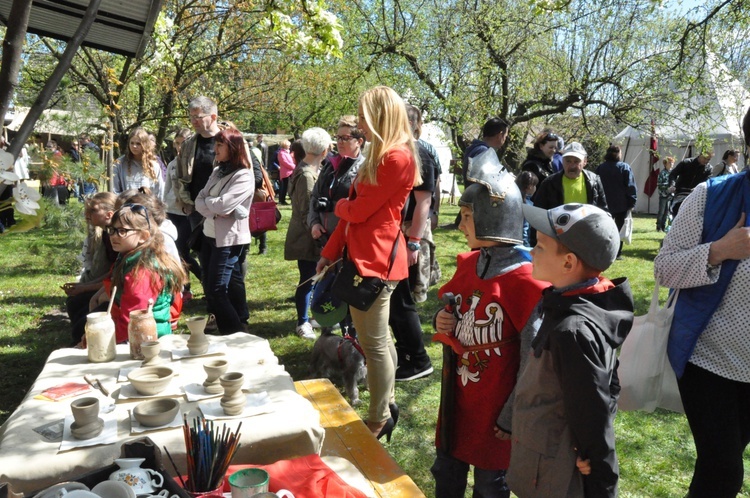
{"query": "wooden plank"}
(348, 437)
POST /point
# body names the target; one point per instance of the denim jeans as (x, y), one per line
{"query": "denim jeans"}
(303, 292)
(224, 285)
(450, 479)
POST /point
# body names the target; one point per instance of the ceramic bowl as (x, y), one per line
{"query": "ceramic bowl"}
(150, 380)
(156, 412)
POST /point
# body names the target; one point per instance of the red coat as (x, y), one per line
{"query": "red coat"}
(374, 219)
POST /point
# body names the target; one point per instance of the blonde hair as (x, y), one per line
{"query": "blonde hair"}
(148, 159)
(385, 114)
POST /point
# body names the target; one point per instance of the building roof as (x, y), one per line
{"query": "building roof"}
(122, 27)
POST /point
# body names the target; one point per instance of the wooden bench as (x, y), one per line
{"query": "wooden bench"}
(348, 437)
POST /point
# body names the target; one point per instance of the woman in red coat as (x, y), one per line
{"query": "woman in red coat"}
(369, 227)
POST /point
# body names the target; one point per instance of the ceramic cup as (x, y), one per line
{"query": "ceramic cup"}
(143, 481)
(151, 350)
(247, 483)
(87, 423)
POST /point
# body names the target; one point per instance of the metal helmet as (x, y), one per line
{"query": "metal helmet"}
(495, 200)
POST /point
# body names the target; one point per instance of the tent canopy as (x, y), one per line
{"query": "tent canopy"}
(120, 27)
(717, 115)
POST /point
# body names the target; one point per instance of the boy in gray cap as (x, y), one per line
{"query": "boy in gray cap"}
(566, 395)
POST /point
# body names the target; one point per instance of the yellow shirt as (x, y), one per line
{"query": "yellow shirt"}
(574, 191)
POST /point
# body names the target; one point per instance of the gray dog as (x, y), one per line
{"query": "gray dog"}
(340, 356)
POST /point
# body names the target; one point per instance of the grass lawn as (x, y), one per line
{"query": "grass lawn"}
(656, 450)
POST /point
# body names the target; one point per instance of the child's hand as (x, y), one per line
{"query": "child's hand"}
(445, 322)
(584, 466)
(501, 434)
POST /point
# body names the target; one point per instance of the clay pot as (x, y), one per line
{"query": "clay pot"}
(214, 369)
(142, 328)
(150, 351)
(156, 412)
(234, 400)
(87, 423)
(198, 342)
(150, 380)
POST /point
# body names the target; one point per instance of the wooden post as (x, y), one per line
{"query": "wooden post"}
(54, 80)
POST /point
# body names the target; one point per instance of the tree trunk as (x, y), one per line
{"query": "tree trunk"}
(15, 36)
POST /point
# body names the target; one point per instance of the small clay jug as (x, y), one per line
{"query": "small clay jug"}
(214, 369)
(198, 342)
(150, 351)
(86, 422)
(100, 337)
(142, 328)
(234, 400)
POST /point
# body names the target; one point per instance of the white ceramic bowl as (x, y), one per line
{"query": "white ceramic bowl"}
(150, 380)
(156, 412)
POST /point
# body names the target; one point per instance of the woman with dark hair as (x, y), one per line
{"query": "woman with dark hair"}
(728, 164)
(225, 204)
(539, 159)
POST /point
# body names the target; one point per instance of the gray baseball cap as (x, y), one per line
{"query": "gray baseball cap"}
(588, 231)
(576, 150)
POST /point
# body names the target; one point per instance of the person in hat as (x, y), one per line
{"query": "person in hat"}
(565, 446)
(574, 184)
(494, 297)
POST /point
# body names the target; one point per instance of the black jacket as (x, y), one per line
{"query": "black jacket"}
(566, 396)
(550, 191)
(539, 164)
(688, 174)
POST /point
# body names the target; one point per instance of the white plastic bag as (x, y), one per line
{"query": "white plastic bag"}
(626, 232)
(646, 377)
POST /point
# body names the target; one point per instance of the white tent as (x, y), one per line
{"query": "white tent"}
(718, 115)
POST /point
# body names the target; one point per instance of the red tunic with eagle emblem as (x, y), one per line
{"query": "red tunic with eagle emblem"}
(491, 312)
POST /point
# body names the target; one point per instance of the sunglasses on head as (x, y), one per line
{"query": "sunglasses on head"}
(139, 209)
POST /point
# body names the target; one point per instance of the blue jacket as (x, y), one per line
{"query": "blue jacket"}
(619, 185)
(727, 198)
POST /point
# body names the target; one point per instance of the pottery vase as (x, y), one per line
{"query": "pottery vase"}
(198, 342)
(234, 400)
(214, 369)
(100, 337)
(142, 328)
(150, 351)
(86, 422)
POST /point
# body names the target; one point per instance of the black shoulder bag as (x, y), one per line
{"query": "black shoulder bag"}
(356, 290)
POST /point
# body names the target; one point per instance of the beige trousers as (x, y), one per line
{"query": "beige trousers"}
(375, 338)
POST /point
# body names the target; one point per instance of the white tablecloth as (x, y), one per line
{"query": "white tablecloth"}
(30, 462)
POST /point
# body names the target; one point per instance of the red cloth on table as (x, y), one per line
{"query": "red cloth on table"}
(306, 477)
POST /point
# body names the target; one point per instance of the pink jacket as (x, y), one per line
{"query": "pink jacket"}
(286, 163)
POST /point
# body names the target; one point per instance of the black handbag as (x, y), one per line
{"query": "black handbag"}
(355, 290)
(195, 241)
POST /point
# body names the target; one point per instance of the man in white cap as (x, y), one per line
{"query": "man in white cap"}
(574, 184)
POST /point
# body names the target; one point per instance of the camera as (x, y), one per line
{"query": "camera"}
(323, 204)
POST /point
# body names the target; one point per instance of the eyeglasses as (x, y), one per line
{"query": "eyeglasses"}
(138, 209)
(120, 231)
(343, 138)
(550, 137)
(197, 117)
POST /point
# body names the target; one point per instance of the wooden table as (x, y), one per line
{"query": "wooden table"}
(348, 437)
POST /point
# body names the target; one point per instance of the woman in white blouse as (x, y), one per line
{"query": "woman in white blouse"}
(705, 255)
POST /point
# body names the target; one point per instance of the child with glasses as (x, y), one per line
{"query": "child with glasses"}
(143, 271)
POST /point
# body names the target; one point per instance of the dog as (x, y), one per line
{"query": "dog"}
(340, 356)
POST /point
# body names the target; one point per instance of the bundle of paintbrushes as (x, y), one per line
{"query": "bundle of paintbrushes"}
(209, 453)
